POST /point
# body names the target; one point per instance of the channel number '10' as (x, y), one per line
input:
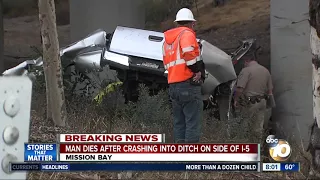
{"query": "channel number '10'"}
(279, 149)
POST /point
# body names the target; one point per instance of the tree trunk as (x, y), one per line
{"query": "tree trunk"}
(315, 49)
(314, 147)
(2, 68)
(56, 109)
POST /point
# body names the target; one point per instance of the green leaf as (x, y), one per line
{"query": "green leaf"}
(110, 88)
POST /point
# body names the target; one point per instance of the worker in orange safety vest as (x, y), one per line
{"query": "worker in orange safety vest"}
(186, 73)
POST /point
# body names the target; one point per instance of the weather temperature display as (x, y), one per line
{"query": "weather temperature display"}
(295, 167)
(288, 167)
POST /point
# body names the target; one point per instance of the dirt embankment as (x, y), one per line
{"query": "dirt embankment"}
(228, 37)
(237, 20)
(22, 31)
(22, 38)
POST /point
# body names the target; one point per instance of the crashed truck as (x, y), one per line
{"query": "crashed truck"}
(136, 56)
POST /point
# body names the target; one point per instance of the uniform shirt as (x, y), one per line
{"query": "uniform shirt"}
(255, 80)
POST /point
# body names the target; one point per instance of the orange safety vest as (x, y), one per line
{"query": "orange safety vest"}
(180, 49)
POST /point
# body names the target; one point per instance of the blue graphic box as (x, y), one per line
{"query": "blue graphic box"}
(40, 152)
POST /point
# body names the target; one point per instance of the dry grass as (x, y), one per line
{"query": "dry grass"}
(234, 11)
(151, 114)
(209, 17)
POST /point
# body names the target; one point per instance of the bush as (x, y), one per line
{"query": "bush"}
(150, 114)
(149, 111)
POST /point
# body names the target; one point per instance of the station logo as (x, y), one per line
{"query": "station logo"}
(279, 149)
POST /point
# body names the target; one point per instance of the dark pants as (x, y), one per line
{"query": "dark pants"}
(187, 108)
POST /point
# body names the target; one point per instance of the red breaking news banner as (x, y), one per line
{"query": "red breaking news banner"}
(111, 138)
(159, 148)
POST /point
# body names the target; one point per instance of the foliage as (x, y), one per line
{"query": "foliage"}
(151, 114)
(102, 93)
(37, 75)
(149, 110)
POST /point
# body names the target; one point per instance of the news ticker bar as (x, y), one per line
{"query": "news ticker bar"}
(291, 167)
(235, 167)
(56, 167)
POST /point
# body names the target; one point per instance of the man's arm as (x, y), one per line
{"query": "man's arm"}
(190, 51)
(241, 84)
(238, 93)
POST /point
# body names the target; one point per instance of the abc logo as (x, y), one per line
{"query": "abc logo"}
(279, 149)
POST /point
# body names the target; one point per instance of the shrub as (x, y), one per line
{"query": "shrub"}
(150, 111)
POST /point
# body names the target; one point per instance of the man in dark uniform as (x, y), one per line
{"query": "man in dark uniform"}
(253, 89)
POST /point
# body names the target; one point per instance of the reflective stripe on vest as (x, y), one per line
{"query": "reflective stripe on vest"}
(187, 49)
(182, 61)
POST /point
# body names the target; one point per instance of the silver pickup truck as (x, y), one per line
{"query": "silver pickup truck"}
(136, 56)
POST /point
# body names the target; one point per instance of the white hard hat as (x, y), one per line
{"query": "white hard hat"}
(184, 14)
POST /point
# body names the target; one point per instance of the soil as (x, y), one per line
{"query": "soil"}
(22, 38)
(228, 37)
